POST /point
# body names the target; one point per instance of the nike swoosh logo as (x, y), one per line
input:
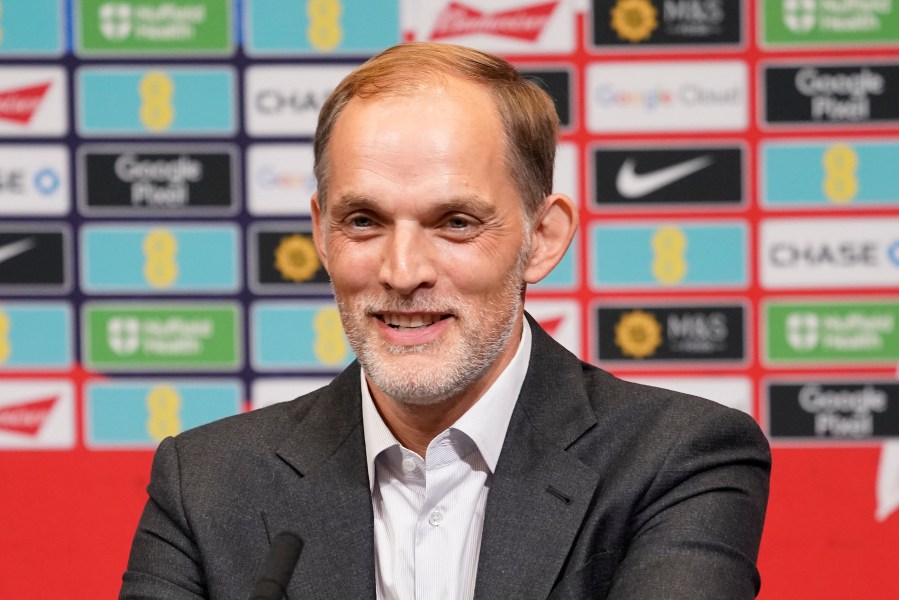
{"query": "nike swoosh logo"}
(632, 185)
(16, 248)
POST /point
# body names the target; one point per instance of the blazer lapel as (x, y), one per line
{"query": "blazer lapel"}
(327, 501)
(540, 493)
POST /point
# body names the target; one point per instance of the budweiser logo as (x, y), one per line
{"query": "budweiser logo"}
(520, 23)
(20, 104)
(27, 418)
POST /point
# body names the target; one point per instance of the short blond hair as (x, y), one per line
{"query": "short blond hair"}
(527, 113)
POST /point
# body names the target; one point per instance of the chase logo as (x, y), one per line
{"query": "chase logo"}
(834, 174)
(288, 28)
(33, 28)
(298, 336)
(668, 255)
(829, 253)
(34, 180)
(160, 258)
(174, 101)
(129, 413)
(284, 100)
(36, 335)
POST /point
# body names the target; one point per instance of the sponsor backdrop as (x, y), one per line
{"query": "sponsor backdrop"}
(735, 164)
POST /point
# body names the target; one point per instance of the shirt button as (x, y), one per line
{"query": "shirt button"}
(436, 518)
(408, 465)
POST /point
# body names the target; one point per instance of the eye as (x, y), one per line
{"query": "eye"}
(460, 227)
(361, 221)
(359, 225)
(458, 223)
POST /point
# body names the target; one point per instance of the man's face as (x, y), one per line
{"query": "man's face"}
(423, 234)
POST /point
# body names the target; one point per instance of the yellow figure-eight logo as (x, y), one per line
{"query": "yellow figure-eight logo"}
(156, 111)
(330, 345)
(324, 29)
(5, 346)
(160, 268)
(163, 408)
(840, 164)
(669, 266)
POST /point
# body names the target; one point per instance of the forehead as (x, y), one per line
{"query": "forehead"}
(436, 129)
(430, 87)
(447, 104)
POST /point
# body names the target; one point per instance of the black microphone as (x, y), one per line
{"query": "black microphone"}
(278, 567)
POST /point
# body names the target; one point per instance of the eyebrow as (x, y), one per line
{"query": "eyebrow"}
(351, 202)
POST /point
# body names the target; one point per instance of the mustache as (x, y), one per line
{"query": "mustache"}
(378, 304)
(423, 302)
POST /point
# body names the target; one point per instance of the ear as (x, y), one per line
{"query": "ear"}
(551, 235)
(317, 235)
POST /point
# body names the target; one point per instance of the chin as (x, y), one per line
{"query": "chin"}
(428, 374)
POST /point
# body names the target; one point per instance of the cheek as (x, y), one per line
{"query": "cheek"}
(490, 258)
(350, 268)
(478, 274)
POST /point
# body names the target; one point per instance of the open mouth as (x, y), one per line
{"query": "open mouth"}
(405, 322)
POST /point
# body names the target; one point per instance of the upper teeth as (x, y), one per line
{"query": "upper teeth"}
(410, 320)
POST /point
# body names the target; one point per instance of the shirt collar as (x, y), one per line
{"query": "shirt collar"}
(486, 422)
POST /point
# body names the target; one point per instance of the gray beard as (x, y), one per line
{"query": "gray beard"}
(460, 366)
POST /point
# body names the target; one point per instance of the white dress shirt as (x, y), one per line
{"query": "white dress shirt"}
(429, 512)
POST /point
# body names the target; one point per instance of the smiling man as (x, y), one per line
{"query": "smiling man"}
(465, 454)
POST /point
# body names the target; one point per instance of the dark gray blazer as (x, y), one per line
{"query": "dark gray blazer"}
(604, 489)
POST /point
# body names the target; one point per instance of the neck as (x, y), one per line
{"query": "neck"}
(414, 425)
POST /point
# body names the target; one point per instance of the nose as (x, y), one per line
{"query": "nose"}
(407, 261)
